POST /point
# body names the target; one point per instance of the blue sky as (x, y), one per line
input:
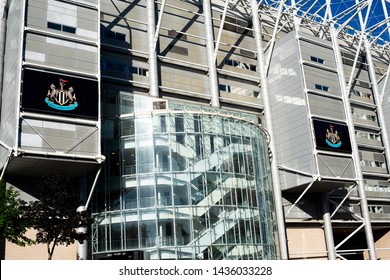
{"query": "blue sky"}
(338, 7)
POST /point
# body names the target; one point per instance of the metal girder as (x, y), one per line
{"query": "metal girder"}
(268, 63)
(385, 83)
(300, 197)
(364, 24)
(6, 164)
(345, 95)
(329, 240)
(349, 236)
(268, 117)
(220, 31)
(339, 205)
(152, 54)
(212, 71)
(157, 32)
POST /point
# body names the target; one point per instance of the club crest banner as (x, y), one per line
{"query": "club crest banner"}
(59, 94)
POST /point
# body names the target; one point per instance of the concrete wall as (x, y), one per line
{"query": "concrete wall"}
(39, 251)
(306, 243)
(382, 246)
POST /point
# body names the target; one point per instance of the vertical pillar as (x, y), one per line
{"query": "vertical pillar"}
(213, 76)
(376, 93)
(268, 120)
(328, 227)
(152, 59)
(82, 249)
(355, 151)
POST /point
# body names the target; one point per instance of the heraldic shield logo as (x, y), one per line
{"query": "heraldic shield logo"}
(61, 98)
(332, 136)
(59, 94)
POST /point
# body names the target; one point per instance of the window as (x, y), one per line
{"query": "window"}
(368, 135)
(55, 26)
(69, 29)
(159, 105)
(123, 68)
(362, 94)
(224, 88)
(376, 186)
(321, 87)
(316, 59)
(106, 33)
(375, 209)
(364, 116)
(139, 71)
(372, 163)
(240, 64)
(380, 164)
(239, 91)
(179, 128)
(61, 27)
(237, 25)
(232, 62)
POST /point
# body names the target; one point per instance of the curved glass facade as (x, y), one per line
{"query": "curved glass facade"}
(183, 182)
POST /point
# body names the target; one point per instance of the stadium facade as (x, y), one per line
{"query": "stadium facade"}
(205, 129)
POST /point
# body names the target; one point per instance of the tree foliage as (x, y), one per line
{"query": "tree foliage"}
(54, 214)
(13, 223)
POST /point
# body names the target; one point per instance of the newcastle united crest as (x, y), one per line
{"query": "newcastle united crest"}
(61, 98)
(333, 138)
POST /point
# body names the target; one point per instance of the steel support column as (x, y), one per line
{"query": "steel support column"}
(82, 248)
(152, 52)
(273, 39)
(158, 27)
(220, 31)
(268, 121)
(212, 68)
(328, 228)
(351, 128)
(6, 164)
(376, 93)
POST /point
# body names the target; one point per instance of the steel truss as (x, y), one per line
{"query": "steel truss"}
(318, 18)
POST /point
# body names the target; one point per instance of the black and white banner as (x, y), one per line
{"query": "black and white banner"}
(332, 136)
(59, 94)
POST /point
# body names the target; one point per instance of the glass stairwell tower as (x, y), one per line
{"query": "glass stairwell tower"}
(182, 182)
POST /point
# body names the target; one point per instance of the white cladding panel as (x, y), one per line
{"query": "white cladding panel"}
(289, 112)
(11, 81)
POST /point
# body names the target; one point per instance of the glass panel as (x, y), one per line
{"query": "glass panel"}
(148, 234)
(131, 235)
(116, 241)
(214, 170)
(130, 198)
